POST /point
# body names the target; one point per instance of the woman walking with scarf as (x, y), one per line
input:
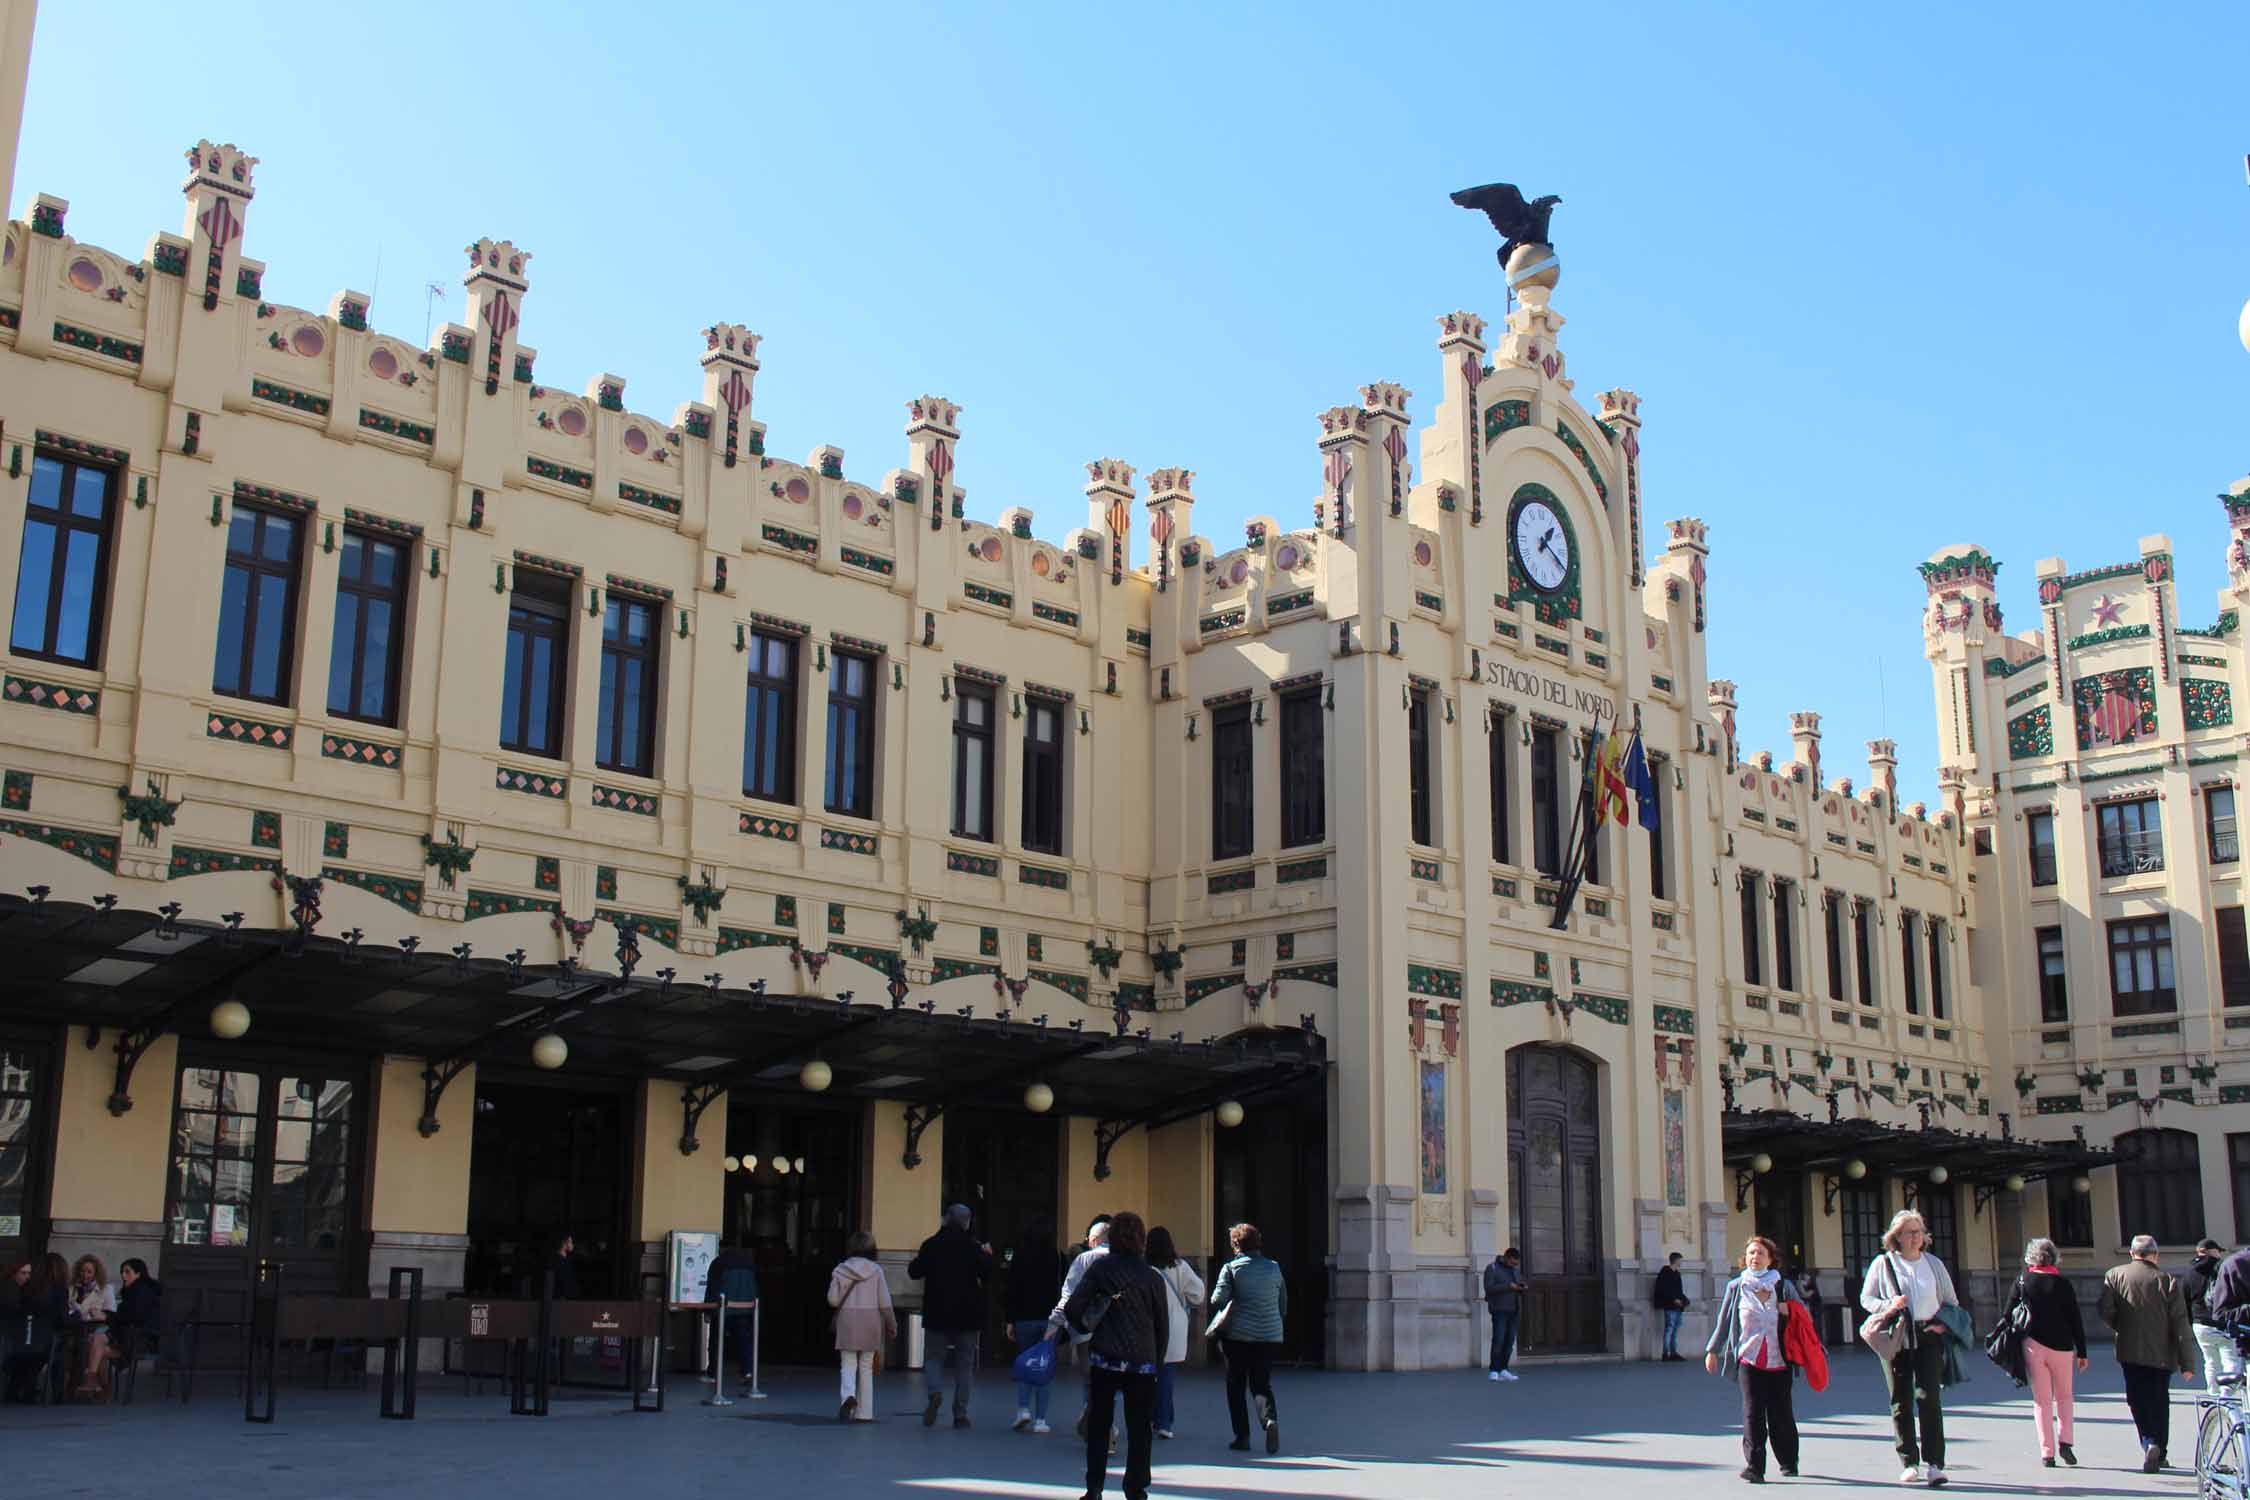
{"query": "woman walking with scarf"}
(1747, 1341)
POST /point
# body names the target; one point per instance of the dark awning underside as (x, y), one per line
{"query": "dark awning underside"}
(1797, 1143)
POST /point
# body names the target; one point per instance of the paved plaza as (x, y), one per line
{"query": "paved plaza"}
(1564, 1431)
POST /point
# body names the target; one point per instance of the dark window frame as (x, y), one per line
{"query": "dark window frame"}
(1863, 950)
(2039, 845)
(980, 741)
(1658, 875)
(2130, 834)
(362, 593)
(2070, 1214)
(851, 724)
(2234, 956)
(769, 719)
(1043, 773)
(1233, 808)
(2238, 1170)
(1753, 957)
(2220, 839)
(1420, 766)
(258, 567)
(1546, 802)
(620, 652)
(1933, 932)
(2159, 1185)
(538, 611)
(1304, 769)
(1784, 937)
(2130, 937)
(1909, 960)
(1832, 935)
(67, 523)
(2054, 980)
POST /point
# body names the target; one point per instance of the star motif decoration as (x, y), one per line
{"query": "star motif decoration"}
(2107, 609)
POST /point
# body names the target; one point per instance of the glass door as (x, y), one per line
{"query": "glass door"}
(23, 1151)
(265, 1165)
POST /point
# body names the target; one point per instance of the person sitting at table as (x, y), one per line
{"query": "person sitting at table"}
(92, 1304)
(133, 1326)
(35, 1305)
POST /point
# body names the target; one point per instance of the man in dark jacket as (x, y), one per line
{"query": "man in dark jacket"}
(1670, 1298)
(1125, 1306)
(1503, 1298)
(734, 1276)
(952, 1268)
(2149, 1313)
(2220, 1357)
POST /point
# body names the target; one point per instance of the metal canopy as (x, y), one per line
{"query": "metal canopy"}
(142, 973)
(1799, 1143)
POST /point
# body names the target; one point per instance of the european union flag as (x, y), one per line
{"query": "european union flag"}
(1643, 782)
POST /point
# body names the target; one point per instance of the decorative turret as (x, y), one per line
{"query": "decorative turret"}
(1690, 538)
(2237, 501)
(1385, 403)
(1722, 709)
(218, 193)
(1621, 413)
(1109, 512)
(496, 285)
(932, 432)
(1344, 433)
(1171, 512)
(1882, 771)
(1959, 582)
(730, 368)
(1455, 450)
(1804, 738)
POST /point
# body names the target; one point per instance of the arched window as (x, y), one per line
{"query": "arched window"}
(2159, 1187)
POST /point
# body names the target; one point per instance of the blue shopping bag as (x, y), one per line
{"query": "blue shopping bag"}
(1036, 1365)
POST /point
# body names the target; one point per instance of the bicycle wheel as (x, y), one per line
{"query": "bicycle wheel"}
(2218, 1454)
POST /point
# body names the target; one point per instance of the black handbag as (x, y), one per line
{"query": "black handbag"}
(2004, 1344)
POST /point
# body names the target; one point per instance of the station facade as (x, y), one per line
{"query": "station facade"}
(445, 809)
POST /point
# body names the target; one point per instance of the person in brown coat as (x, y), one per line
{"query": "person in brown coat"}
(2155, 1340)
(865, 1322)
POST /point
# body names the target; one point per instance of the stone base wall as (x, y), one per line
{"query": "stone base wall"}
(114, 1240)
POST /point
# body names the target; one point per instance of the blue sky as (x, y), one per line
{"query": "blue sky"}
(1885, 280)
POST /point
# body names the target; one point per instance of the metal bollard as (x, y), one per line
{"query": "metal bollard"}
(757, 1330)
(718, 1396)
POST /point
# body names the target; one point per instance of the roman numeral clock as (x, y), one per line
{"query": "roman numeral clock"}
(1542, 555)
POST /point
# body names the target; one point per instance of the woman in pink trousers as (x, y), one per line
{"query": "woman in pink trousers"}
(2054, 1348)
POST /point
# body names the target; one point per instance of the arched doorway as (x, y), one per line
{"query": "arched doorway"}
(1555, 1196)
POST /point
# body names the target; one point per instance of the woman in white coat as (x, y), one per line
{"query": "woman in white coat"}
(1187, 1292)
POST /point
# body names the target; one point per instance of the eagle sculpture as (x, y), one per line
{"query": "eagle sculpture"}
(1519, 222)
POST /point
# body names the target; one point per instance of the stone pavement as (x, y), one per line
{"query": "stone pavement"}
(1564, 1432)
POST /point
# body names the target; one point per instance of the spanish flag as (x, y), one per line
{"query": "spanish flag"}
(1610, 805)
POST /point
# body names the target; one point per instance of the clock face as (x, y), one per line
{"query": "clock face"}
(1542, 545)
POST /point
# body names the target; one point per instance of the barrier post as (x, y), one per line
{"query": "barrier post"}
(263, 1344)
(397, 1405)
(757, 1341)
(718, 1396)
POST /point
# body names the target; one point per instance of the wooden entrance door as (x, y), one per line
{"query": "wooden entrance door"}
(1272, 1171)
(1780, 1216)
(1555, 1196)
(1007, 1168)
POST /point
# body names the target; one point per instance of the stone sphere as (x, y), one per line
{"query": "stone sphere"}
(1524, 256)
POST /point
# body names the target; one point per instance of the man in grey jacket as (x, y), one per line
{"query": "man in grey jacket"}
(2149, 1313)
(1503, 1299)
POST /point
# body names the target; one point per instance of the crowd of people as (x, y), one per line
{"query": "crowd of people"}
(64, 1327)
(1123, 1302)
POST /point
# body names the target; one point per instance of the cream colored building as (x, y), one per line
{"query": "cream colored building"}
(605, 822)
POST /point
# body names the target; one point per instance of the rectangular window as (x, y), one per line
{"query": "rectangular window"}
(1497, 729)
(2131, 835)
(2218, 824)
(1863, 949)
(769, 719)
(2039, 838)
(62, 570)
(258, 606)
(1937, 968)
(2054, 978)
(1656, 871)
(1752, 969)
(1832, 929)
(850, 787)
(972, 762)
(1908, 962)
(363, 657)
(625, 731)
(535, 681)
(2070, 1214)
(1418, 764)
(1936, 1205)
(1860, 1205)
(1304, 770)
(1546, 804)
(1232, 827)
(1784, 935)
(1042, 774)
(1593, 870)
(2140, 966)
(2234, 957)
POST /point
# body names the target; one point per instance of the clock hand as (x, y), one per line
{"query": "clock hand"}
(1551, 552)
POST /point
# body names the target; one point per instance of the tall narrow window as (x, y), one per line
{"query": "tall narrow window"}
(258, 606)
(1863, 950)
(363, 658)
(850, 787)
(62, 571)
(1042, 774)
(2054, 979)
(972, 762)
(2218, 825)
(1496, 747)
(1910, 960)
(1232, 827)
(1784, 935)
(535, 679)
(1586, 749)
(1753, 968)
(2140, 966)
(1937, 968)
(2070, 1214)
(1304, 770)
(2234, 957)
(769, 719)
(1418, 756)
(625, 731)
(2039, 840)
(1546, 804)
(1832, 925)
(1656, 871)
(2131, 836)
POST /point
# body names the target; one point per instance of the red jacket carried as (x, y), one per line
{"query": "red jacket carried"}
(1800, 1345)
